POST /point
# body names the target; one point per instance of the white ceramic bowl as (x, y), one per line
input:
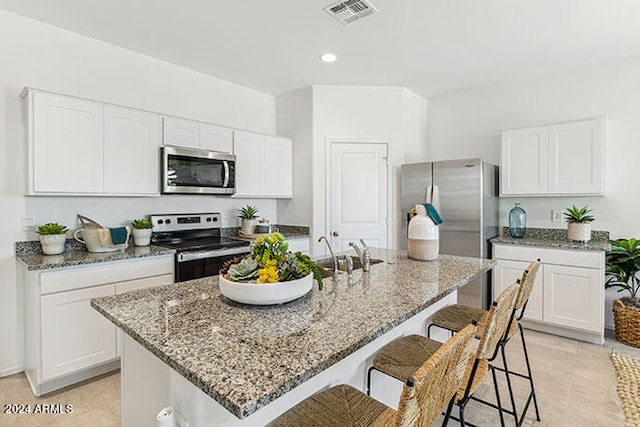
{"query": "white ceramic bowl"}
(265, 293)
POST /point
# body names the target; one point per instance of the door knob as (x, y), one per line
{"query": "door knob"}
(335, 234)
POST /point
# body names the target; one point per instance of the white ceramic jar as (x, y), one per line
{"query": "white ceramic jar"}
(424, 236)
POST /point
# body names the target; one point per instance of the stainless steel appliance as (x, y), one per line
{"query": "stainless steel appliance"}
(200, 249)
(468, 203)
(193, 171)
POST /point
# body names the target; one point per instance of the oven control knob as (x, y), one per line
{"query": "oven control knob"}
(160, 221)
(208, 219)
(168, 221)
(215, 218)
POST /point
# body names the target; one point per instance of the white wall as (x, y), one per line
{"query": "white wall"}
(294, 119)
(468, 125)
(42, 56)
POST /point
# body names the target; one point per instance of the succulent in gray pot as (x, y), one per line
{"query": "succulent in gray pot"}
(248, 219)
(623, 266)
(52, 238)
(141, 232)
(579, 223)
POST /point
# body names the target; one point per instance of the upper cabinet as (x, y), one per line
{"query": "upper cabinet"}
(65, 145)
(80, 147)
(264, 165)
(563, 159)
(131, 151)
(192, 134)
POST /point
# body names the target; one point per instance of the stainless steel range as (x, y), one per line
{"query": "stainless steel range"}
(200, 250)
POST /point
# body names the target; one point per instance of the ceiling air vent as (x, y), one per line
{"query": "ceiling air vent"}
(348, 11)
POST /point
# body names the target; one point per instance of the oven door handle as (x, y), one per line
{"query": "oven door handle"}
(191, 256)
(226, 173)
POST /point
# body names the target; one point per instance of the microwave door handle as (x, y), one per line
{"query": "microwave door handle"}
(226, 173)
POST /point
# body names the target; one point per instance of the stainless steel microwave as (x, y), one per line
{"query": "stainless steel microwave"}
(194, 171)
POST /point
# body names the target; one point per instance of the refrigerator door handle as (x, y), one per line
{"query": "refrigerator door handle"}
(432, 196)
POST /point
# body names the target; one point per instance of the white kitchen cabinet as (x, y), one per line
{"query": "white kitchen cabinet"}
(568, 295)
(507, 272)
(74, 335)
(193, 134)
(67, 341)
(299, 245)
(216, 138)
(524, 164)
(80, 147)
(278, 159)
(573, 297)
(264, 165)
(180, 132)
(562, 159)
(65, 145)
(131, 151)
(249, 149)
(577, 158)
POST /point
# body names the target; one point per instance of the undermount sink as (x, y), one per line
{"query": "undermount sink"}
(327, 266)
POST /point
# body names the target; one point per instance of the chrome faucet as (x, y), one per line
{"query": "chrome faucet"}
(335, 260)
(364, 254)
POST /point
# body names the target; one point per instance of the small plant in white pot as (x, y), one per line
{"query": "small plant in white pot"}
(248, 219)
(52, 238)
(141, 232)
(579, 223)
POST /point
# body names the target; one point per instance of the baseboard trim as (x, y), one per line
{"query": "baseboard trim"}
(575, 334)
(11, 370)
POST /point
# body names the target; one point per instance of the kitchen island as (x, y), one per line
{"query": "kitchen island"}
(223, 363)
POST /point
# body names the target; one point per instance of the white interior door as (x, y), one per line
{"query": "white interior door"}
(358, 194)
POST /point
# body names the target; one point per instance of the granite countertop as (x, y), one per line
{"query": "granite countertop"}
(245, 356)
(290, 232)
(555, 238)
(76, 256)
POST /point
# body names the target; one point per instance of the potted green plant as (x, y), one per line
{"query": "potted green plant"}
(52, 238)
(270, 274)
(141, 232)
(248, 219)
(579, 223)
(623, 265)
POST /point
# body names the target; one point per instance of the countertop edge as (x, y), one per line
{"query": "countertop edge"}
(591, 246)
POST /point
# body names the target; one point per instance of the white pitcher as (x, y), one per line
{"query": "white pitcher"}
(424, 236)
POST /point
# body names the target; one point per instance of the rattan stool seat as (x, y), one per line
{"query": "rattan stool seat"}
(337, 406)
(403, 356)
(457, 316)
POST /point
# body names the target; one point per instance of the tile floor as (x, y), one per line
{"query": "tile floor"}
(575, 382)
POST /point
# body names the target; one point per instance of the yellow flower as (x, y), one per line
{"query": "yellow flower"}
(268, 274)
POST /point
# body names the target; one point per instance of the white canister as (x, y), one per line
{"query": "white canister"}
(424, 240)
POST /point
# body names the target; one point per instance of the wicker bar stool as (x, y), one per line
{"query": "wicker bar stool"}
(457, 316)
(426, 394)
(402, 355)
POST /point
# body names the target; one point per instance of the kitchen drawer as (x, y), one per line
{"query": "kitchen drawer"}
(98, 274)
(572, 258)
(147, 282)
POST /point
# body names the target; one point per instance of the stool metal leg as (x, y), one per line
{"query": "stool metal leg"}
(495, 385)
(533, 390)
(506, 372)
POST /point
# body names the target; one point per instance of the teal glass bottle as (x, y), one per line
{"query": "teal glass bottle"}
(517, 222)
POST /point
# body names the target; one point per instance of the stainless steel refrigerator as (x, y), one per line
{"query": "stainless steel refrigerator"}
(467, 200)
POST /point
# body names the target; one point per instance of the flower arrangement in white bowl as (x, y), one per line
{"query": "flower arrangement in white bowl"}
(270, 274)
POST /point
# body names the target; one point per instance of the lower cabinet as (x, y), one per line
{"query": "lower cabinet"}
(66, 339)
(74, 335)
(568, 294)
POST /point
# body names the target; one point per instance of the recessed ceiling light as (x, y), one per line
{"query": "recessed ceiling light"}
(328, 57)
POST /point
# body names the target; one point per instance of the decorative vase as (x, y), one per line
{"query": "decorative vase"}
(141, 236)
(424, 236)
(52, 244)
(579, 232)
(265, 293)
(248, 226)
(517, 222)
